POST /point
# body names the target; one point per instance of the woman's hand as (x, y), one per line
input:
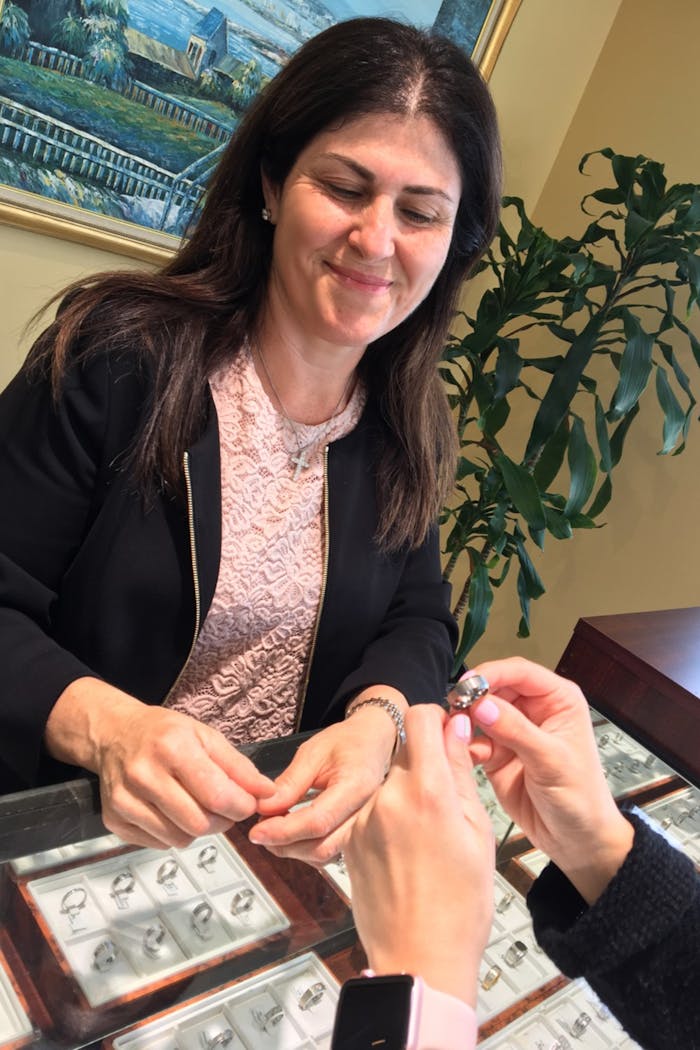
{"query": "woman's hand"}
(345, 763)
(541, 757)
(165, 778)
(421, 860)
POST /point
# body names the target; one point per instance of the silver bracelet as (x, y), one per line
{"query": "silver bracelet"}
(391, 709)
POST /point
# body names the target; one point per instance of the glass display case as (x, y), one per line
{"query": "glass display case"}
(222, 944)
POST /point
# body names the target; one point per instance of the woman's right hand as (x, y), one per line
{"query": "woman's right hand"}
(165, 778)
(541, 757)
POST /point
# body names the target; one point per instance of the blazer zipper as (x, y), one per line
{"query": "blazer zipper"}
(195, 569)
(324, 579)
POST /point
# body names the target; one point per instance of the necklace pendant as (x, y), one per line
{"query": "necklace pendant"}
(300, 462)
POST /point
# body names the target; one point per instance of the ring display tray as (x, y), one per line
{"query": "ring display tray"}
(678, 815)
(15, 1027)
(571, 1018)
(287, 1007)
(123, 923)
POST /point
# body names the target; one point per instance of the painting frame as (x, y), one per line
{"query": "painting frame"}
(40, 214)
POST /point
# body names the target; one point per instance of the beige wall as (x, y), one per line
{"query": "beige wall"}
(640, 98)
(572, 76)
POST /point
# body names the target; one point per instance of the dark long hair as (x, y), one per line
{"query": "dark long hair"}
(191, 316)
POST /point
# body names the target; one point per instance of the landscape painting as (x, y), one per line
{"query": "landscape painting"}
(113, 113)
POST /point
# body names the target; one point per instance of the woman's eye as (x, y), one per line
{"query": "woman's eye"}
(418, 218)
(344, 192)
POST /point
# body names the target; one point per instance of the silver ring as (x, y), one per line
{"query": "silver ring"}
(580, 1025)
(200, 919)
(122, 885)
(312, 995)
(649, 760)
(222, 1038)
(167, 872)
(505, 902)
(105, 955)
(603, 740)
(153, 939)
(270, 1019)
(467, 691)
(206, 857)
(490, 977)
(242, 901)
(635, 765)
(516, 953)
(73, 900)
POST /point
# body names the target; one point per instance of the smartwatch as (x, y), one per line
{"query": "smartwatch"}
(401, 1012)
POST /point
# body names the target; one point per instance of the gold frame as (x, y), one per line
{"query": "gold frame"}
(29, 211)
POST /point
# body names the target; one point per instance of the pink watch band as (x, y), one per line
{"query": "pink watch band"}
(443, 1021)
(438, 1021)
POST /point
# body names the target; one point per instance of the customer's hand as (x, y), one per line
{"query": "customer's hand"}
(345, 763)
(541, 757)
(421, 860)
(165, 778)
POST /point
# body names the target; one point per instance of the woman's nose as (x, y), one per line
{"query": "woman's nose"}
(374, 232)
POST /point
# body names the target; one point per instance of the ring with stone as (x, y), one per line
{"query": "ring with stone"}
(73, 900)
(580, 1025)
(122, 885)
(153, 939)
(467, 691)
(206, 857)
(269, 1019)
(505, 902)
(516, 953)
(105, 955)
(490, 977)
(222, 1038)
(312, 995)
(200, 919)
(167, 872)
(242, 901)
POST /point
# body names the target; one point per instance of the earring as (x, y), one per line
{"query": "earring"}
(267, 215)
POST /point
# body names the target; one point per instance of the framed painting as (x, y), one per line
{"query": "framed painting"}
(113, 113)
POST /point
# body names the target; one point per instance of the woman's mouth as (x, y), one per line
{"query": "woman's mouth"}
(359, 279)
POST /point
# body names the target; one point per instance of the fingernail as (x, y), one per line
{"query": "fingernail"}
(486, 712)
(462, 727)
(256, 838)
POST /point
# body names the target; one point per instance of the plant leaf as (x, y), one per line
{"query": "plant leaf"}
(480, 600)
(674, 416)
(522, 490)
(635, 367)
(582, 467)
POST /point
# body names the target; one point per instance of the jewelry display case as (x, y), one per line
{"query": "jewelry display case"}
(222, 944)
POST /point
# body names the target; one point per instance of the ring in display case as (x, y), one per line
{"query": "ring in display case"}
(206, 858)
(122, 885)
(490, 977)
(201, 919)
(105, 955)
(242, 901)
(516, 953)
(265, 1020)
(312, 995)
(153, 939)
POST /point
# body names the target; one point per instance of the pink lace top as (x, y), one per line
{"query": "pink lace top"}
(247, 670)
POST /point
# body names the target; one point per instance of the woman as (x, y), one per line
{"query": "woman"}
(617, 905)
(225, 477)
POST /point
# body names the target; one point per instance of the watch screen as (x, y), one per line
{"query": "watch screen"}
(373, 1013)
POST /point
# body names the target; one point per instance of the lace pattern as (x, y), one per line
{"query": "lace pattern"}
(246, 672)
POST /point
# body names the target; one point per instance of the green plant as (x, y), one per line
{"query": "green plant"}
(571, 331)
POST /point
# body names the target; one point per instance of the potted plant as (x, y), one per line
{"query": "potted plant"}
(571, 330)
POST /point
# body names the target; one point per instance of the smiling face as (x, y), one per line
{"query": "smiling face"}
(363, 226)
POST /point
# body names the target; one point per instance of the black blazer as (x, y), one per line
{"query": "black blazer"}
(92, 582)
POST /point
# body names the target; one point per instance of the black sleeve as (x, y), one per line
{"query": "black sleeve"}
(54, 459)
(638, 946)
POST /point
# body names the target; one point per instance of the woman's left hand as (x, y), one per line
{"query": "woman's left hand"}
(345, 763)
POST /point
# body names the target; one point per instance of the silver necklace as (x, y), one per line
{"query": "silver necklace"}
(300, 460)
